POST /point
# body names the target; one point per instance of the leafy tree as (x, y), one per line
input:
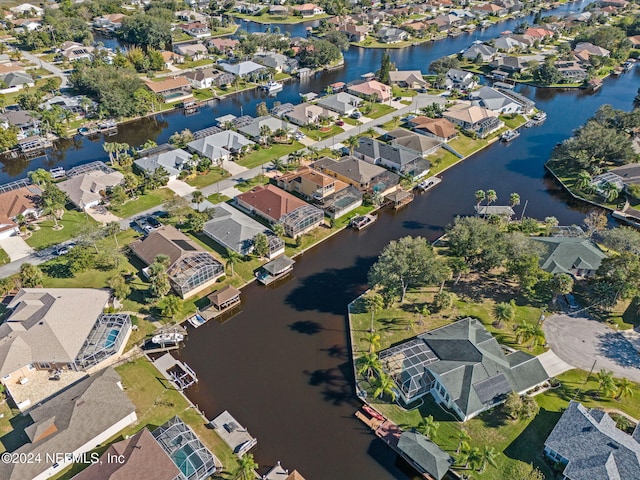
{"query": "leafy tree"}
(146, 31)
(526, 269)
(385, 67)
(373, 302)
(443, 65)
(261, 245)
(443, 300)
(428, 426)
(180, 139)
(523, 471)
(172, 305)
(246, 468)
(530, 407)
(80, 259)
(596, 221)
(504, 312)
(512, 405)
(458, 267)
(622, 239)
(30, 275)
(606, 383)
(8, 138)
(337, 38)
(121, 289)
(618, 278)
(178, 207)
(406, 263)
(318, 53)
(561, 284)
(479, 243)
(196, 221)
(159, 278)
(384, 385)
(547, 74)
(262, 110)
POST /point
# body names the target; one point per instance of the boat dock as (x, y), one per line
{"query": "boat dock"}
(220, 302)
(399, 199)
(179, 374)
(233, 433)
(428, 184)
(274, 270)
(361, 222)
(373, 422)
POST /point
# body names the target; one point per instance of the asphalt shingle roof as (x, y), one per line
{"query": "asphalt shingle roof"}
(565, 254)
(425, 453)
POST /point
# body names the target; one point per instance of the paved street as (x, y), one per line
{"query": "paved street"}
(47, 66)
(579, 341)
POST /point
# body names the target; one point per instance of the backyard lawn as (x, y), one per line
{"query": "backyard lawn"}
(74, 223)
(144, 202)
(442, 160)
(512, 123)
(214, 175)
(466, 145)
(264, 155)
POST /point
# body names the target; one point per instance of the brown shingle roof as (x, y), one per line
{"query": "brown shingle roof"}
(223, 295)
(168, 84)
(441, 127)
(271, 201)
(166, 240)
(18, 201)
(143, 458)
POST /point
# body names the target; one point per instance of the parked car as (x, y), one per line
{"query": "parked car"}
(299, 135)
(397, 99)
(571, 301)
(340, 123)
(355, 115)
(64, 249)
(154, 222)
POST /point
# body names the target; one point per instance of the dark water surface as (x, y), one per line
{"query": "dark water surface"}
(281, 366)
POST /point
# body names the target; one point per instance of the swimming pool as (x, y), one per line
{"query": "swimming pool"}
(111, 338)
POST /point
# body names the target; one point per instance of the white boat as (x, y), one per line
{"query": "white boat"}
(362, 221)
(272, 87)
(509, 135)
(167, 337)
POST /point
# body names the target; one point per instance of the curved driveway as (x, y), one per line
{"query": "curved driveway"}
(579, 341)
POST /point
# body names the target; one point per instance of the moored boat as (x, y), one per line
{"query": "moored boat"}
(167, 337)
(272, 87)
(509, 135)
(362, 221)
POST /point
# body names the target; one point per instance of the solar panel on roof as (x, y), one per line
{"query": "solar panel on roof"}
(184, 245)
(487, 390)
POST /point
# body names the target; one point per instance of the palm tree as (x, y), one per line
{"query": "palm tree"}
(384, 386)
(463, 440)
(480, 196)
(278, 164)
(373, 302)
(491, 197)
(470, 456)
(294, 158)
(352, 142)
(488, 456)
(373, 339)
(51, 207)
(197, 197)
(279, 230)
(610, 191)
(514, 200)
(370, 365)
(110, 148)
(232, 258)
(246, 468)
(625, 389)
(523, 332)
(503, 312)
(313, 153)
(265, 134)
(584, 180)
(113, 228)
(428, 427)
(371, 132)
(606, 383)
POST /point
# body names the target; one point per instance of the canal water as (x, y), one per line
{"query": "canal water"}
(78, 150)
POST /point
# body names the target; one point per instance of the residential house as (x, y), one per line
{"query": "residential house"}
(487, 9)
(208, 77)
(355, 33)
(27, 24)
(439, 128)
(392, 35)
(462, 366)
(277, 61)
(196, 29)
(538, 33)
(229, 140)
(493, 99)
(280, 10)
(111, 21)
(74, 104)
(171, 58)
(510, 63)
(576, 256)
(25, 9)
(282, 109)
(474, 118)
(173, 161)
(308, 9)
(57, 328)
(236, 231)
(277, 206)
(512, 6)
(16, 81)
(407, 78)
(73, 51)
(191, 268)
(254, 129)
(604, 3)
(24, 121)
(635, 41)
(630, 173)
(371, 89)
(223, 45)
(397, 158)
(248, 69)
(174, 89)
(587, 444)
(24, 200)
(87, 189)
(190, 16)
(208, 147)
(509, 43)
(401, 137)
(459, 79)
(342, 103)
(70, 425)
(446, 22)
(195, 51)
(583, 51)
(424, 455)
(139, 456)
(484, 52)
(571, 71)
(307, 113)
(360, 174)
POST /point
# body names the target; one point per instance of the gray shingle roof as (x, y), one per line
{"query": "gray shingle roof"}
(375, 149)
(173, 161)
(233, 229)
(426, 454)
(207, 147)
(593, 445)
(564, 254)
(242, 68)
(252, 130)
(340, 102)
(70, 420)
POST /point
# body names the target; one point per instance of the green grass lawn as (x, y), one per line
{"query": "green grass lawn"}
(203, 94)
(144, 202)
(318, 134)
(515, 122)
(222, 31)
(569, 177)
(218, 198)
(156, 402)
(441, 160)
(4, 258)
(466, 145)
(350, 121)
(264, 155)
(403, 92)
(249, 184)
(74, 223)
(214, 175)
(195, 63)
(377, 110)
(281, 76)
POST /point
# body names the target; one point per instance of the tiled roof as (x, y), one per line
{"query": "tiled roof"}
(271, 201)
